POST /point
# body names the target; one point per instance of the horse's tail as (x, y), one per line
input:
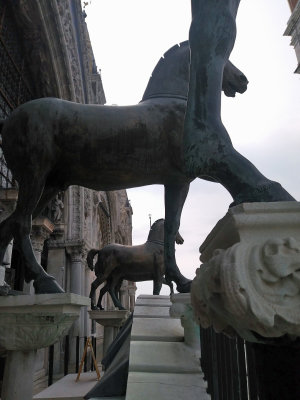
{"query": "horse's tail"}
(90, 258)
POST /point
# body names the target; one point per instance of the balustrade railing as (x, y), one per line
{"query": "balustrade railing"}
(78, 351)
(228, 367)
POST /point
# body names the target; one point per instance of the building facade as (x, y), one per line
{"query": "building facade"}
(45, 51)
(293, 29)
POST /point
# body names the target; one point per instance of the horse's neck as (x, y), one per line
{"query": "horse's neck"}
(170, 77)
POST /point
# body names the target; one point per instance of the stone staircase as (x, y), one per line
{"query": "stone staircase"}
(162, 365)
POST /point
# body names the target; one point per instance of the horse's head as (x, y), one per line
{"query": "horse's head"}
(157, 232)
(233, 80)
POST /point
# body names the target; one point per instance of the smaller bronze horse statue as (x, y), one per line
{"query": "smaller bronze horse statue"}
(134, 263)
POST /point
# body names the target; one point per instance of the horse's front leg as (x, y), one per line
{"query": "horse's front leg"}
(115, 283)
(175, 195)
(208, 151)
(211, 38)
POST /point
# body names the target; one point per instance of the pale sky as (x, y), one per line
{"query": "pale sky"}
(129, 37)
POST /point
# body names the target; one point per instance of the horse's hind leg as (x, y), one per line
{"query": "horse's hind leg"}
(30, 191)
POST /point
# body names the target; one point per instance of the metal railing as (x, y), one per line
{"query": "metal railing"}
(79, 347)
(228, 367)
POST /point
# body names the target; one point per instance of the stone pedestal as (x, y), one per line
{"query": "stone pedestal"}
(28, 323)
(112, 321)
(249, 284)
(249, 280)
(182, 308)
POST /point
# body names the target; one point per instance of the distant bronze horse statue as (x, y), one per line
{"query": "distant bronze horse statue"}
(50, 144)
(140, 263)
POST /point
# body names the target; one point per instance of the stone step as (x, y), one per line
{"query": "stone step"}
(151, 312)
(157, 329)
(165, 386)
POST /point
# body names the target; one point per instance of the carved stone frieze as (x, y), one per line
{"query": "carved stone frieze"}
(70, 41)
(251, 287)
(76, 213)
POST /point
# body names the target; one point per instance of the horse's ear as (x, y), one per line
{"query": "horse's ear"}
(90, 258)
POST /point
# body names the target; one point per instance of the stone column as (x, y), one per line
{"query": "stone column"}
(41, 230)
(21, 364)
(8, 200)
(77, 253)
(131, 292)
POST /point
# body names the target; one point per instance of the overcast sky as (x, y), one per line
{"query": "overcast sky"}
(129, 37)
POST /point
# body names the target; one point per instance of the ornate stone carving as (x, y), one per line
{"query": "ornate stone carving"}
(251, 288)
(77, 251)
(76, 212)
(249, 282)
(69, 36)
(41, 230)
(32, 322)
(57, 208)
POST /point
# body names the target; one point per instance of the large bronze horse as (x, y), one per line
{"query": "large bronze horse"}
(116, 262)
(50, 144)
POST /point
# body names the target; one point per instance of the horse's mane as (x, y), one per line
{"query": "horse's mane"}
(170, 77)
(170, 53)
(158, 220)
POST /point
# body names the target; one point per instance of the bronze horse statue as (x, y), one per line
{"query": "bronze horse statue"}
(116, 262)
(50, 144)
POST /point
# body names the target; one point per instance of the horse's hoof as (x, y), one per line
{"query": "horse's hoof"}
(95, 308)
(46, 284)
(269, 192)
(184, 287)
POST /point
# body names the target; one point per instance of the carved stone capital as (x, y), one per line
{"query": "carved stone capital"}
(42, 228)
(252, 287)
(77, 251)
